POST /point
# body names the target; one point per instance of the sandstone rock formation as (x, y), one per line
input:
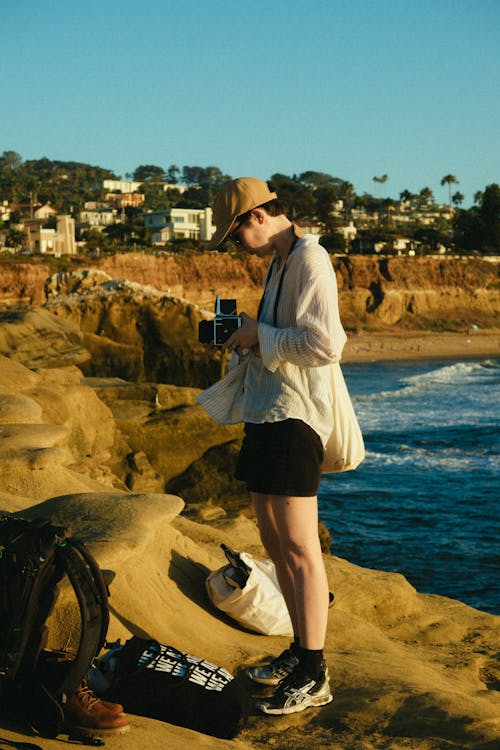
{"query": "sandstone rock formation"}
(53, 422)
(55, 434)
(36, 338)
(408, 670)
(133, 332)
(185, 447)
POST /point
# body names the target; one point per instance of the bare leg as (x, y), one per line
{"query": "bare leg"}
(289, 532)
(271, 540)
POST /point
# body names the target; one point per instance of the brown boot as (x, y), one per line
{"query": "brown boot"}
(114, 708)
(85, 712)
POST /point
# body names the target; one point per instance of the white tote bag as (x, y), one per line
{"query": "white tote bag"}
(345, 448)
(259, 605)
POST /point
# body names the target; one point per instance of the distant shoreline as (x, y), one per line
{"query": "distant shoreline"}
(378, 347)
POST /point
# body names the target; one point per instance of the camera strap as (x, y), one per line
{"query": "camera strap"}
(280, 284)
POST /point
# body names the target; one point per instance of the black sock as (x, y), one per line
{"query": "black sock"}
(295, 645)
(310, 661)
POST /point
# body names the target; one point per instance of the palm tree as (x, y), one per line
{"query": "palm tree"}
(347, 196)
(449, 180)
(457, 198)
(381, 179)
(426, 195)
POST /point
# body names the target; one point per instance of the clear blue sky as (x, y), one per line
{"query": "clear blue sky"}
(355, 88)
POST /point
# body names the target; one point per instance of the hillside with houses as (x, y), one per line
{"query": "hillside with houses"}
(68, 209)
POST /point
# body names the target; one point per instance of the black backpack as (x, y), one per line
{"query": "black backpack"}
(34, 558)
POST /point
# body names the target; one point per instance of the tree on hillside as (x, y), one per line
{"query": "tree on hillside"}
(317, 179)
(193, 197)
(479, 227)
(426, 196)
(296, 196)
(449, 180)
(490, 218)
(133, 231)
(326, 197)
(192, 175)
(212, 179)
(173, 173)
(156, 198)
(149, 173)
(11, 175)
(457, 198)
(66, 185)
(15, 238)
(405, 196)
(11, 160)
(432, 238)
(96, 241)
(467, 229)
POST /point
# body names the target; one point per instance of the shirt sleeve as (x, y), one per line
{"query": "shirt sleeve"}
(318, 337)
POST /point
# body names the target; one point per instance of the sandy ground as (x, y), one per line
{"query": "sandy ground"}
(370, 347)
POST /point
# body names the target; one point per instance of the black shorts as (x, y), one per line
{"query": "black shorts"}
(281, 458)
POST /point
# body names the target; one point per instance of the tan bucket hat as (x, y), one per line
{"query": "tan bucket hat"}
(236, 198)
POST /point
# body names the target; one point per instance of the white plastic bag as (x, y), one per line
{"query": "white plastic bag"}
(259, 605)
(345, 448)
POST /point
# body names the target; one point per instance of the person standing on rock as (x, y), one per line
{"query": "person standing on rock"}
(278, 385)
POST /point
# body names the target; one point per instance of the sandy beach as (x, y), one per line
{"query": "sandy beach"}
(378, 346)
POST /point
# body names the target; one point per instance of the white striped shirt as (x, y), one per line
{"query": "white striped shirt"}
(288, 374)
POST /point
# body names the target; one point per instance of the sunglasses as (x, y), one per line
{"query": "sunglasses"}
(232, 236)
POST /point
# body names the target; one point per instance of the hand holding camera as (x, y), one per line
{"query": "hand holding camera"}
(228, 329)
(226, 321)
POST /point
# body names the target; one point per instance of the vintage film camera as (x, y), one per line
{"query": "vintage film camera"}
(226, 321)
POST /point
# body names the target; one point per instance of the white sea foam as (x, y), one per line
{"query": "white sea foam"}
(455, 373)
(422, 459)
(463, 393)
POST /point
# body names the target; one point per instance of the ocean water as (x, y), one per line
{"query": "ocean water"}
(425, 502)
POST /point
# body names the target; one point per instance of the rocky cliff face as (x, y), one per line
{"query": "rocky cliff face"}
(132, 331)
(22, 283)
(418, 292)
(374, 292)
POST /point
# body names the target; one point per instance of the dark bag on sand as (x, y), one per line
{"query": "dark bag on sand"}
(150, 679)
(34, 558)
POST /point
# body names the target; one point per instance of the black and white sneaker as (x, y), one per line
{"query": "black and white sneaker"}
(276, 670)
(297, 692)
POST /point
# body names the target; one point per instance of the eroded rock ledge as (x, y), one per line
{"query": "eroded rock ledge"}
(411, 292)
(408, 670)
